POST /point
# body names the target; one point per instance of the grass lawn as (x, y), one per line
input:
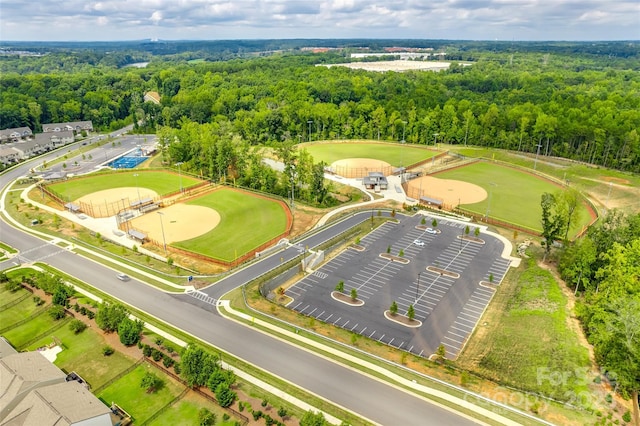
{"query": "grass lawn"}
(158, 181)
(38, 325)
(19, 311)
(185, 412)
(246, 222)
(127, 393)
(514, 196)
(525, 338)
(392, 153)
(7, 297)
(82, 353)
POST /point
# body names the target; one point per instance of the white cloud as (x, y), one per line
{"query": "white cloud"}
(216, 19)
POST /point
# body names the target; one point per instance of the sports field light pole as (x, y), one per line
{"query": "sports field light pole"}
(135, 175)
(535, 163)
(404, 127)
(309, 123)
(164, 241)
(180, 174)
(435, 139)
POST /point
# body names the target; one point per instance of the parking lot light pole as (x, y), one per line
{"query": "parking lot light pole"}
(164, 241)
(417, 287)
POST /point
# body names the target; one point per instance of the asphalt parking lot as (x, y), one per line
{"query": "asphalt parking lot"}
(449, 307)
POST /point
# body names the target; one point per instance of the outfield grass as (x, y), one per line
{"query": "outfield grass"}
(127, 393)
(393, 153)
(158, 181)
(83, 354)
(246, 222)
(514, 196)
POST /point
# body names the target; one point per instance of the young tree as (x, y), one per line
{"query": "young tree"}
(77, 326)
(340, 286)
(441, 352)
(354, 294)
(225, 395)
(434, 223)
(129, 331)
(150, 382)
(206, 417)
(552, 221)
(393, 308)
(411, 313)
(110, 315)
(569, 201)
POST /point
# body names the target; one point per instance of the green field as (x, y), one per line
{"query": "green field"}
(393, 153)
(39, 324)
(158, 181)
(246, 222)
(514, 196)
(127, 393)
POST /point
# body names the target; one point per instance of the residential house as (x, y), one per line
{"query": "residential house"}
(74, 126)
(33, 391)
(14, 135)
(55, 139)
(28, 149)
(9, 155)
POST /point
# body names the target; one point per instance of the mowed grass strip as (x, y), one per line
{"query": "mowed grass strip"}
(158, 181)
(393, 153)
(83, 354)
(513, 195)
(134, 399)
(246, 222)
(525, 340)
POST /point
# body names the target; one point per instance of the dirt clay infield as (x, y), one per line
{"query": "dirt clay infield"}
(451, 192)
(180, 221)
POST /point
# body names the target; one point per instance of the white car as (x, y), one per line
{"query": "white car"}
(419, 243)
(123, 277)
(431, 231)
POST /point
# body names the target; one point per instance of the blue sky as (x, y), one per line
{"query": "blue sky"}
(83, 20)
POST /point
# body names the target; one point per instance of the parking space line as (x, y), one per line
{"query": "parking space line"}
(453, 340)
(353, 327)
(329, 317)
(372, 333)
(362, 331)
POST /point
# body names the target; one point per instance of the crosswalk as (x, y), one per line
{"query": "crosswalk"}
(200, 295)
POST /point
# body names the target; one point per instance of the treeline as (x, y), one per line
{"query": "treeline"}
(560, 105)
(605, 267)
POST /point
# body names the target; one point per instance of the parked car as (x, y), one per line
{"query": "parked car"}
(123, 277)
(419, 243)
(431, 231)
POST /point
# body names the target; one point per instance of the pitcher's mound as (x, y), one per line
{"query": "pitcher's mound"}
(360, 167)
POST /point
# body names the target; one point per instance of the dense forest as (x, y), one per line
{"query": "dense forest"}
(584, 106)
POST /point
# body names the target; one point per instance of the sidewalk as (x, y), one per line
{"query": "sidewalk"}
(336, 355)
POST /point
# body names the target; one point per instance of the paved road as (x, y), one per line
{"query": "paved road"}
(361, 394)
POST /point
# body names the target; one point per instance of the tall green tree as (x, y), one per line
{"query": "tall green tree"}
(553, 221)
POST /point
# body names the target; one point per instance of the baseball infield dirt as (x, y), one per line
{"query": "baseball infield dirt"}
(451, 192)
(180, 222)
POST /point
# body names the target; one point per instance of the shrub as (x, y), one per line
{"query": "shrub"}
(83, 310)
(77, 326)
(38, 300)
(159, 341)
(150, 382)
(90, 314)
(13, 286)
(206, 417)
(147, 350)
(156, 355)
(264, 403)
(167, 361)
(57, 312)
(626, 416)
(257, 414)
(282, 412)
(225, 417)
(107, 350)
(76, 307)
(177, 368)
(268, 420)
(169, 348)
